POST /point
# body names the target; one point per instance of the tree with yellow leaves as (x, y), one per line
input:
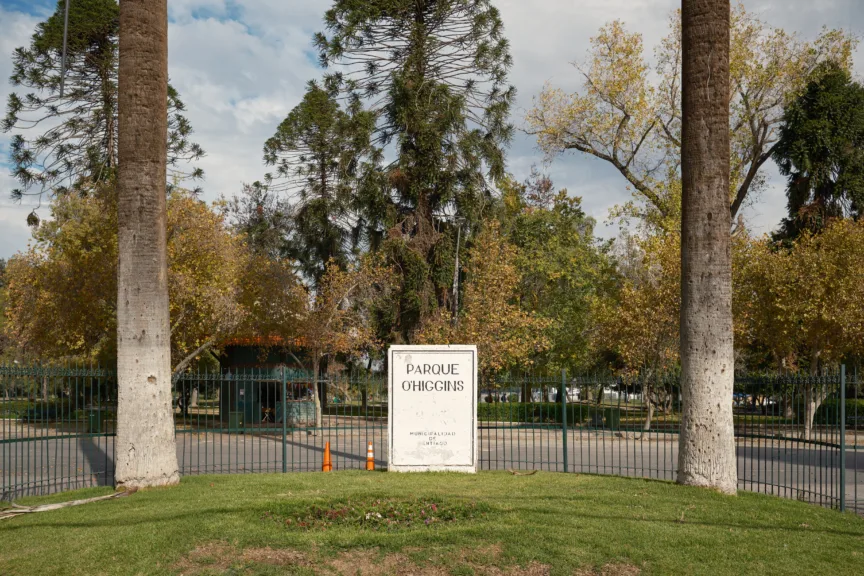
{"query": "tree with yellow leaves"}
(336, 319)
(506, 336)
(561, 265)
(639, 324)
(631, 118)
(62, 292)
(4, 340)
(804, 304)
(206, 266)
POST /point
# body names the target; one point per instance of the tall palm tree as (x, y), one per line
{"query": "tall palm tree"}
(706, 455)
(145, 448)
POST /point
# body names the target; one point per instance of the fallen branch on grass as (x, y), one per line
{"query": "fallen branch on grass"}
(515, 473)
(17, 510)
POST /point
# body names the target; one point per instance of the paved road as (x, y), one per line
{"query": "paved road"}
(788, 469)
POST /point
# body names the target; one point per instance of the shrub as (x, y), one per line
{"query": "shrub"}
(536, 412)
(829, 412)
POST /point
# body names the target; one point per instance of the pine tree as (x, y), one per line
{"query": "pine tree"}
(76, 138)
(322, 155)
(434, 72)
(821, 151)
(263, 218)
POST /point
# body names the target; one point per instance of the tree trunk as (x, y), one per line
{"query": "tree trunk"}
(145, 448)
(193, 402)
(813, 397)
(706, 455)
(45, 388)
(527, 391)
(788, 407)
(646, 427)
(316, 393)
(812, 401)
(599, 397)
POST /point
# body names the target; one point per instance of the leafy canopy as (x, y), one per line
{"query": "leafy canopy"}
(74, 136)
(821, 151)
(563, 268)
(507, 337)
(434, 74)
(629, 115)
(322, 155)
(62, 292)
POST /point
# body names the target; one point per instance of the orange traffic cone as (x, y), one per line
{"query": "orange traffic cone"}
(328, 465)
(370, 457)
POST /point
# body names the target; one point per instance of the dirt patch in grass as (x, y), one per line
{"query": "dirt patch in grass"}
(219, 557)
(209, 556)
(283, 557)
(617, 569)
(369, 563)
(215, 558)
(377, 514)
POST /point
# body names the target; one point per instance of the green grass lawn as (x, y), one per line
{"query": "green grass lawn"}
(490, 523)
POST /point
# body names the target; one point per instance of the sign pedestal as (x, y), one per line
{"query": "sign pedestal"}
(432, 415)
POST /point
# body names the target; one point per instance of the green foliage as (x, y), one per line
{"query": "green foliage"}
(562, 265)
(262, 217)
(572, 523)
(377, 514)
(413, 298)
(829, 412)
(821, 151)
(537, 412)
(434, 73)
(76, 134)
(321, 153)
(42, 411)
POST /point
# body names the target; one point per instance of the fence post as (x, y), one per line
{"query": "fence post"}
(284, 423)
(564, 415)
(843, 438)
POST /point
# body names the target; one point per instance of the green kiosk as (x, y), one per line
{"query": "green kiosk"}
(250, 394)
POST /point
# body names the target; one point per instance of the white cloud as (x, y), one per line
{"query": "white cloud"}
(14, 234)
(241, 65)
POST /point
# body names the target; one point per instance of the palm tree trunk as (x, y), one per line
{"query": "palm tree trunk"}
(706, 455)
(146, 454)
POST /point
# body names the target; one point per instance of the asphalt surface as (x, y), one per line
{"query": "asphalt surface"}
(789, 469)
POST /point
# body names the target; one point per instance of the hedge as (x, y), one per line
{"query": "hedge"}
(829, 412)
(537, 412)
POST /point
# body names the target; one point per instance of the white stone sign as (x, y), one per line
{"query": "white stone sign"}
(432, 416)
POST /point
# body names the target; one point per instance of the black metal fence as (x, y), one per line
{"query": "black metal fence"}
(796, 436)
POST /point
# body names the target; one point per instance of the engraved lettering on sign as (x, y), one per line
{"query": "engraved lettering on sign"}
(432, 401)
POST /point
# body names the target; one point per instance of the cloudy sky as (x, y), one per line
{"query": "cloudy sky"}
(241, 65)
